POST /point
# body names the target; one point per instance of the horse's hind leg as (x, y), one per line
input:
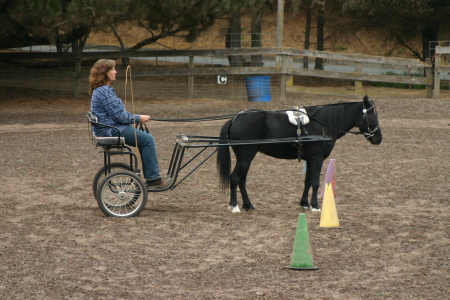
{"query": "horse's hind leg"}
(247, 205)
(233, 191)
(239, 177)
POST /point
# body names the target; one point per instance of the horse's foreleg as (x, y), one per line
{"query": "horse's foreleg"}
(304, 201)
(315, 183)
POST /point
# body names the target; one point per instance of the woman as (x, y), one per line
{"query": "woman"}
(109, 109)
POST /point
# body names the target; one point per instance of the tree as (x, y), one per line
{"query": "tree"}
(320, 33)
(25, 23)
(317, 7)
(256, 30)
(182, 18)
(47, 22)
(307, 32)
(233, 36)
(256, 38)
(56, 22)
(402, 20)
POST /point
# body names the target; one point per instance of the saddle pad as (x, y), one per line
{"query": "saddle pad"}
(295, 115)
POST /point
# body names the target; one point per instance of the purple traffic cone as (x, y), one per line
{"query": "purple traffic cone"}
(330, 177)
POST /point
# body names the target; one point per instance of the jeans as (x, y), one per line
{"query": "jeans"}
(146, 143)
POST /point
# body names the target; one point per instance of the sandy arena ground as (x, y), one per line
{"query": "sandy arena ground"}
(392, 202)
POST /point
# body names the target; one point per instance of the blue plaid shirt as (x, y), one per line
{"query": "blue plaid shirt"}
(109, 109)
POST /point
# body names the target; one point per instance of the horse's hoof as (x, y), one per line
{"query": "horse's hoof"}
(234, 209)
(315, 209)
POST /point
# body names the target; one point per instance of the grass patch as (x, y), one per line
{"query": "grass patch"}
(340, 48)
(418, 73)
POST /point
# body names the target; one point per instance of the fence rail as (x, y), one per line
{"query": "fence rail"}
(284, 67)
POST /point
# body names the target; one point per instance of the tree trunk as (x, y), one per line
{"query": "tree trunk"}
(307, 35)
(256, 38)
(320, 29)
(125, 60)
(233, 39)
(429, 34)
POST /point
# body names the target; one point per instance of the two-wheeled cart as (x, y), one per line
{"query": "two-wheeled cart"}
(119, 188)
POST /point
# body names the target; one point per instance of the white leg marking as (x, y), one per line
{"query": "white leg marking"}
(236, 209)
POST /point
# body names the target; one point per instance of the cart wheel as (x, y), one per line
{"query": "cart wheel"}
(116, 166)
(122, 194)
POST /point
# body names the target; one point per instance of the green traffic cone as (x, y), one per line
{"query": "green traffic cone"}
(301, 253)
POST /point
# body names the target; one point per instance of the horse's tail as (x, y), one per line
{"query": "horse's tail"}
(224, 159)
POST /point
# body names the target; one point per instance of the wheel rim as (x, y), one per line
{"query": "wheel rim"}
(121, 195)
(115, 166)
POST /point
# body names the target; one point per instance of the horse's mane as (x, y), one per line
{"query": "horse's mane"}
(327, 119)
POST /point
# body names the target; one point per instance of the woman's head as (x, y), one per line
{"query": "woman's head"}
(102, 73)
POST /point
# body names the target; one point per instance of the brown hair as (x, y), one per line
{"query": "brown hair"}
(98, 76)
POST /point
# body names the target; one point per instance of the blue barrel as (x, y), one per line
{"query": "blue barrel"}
(258, 88)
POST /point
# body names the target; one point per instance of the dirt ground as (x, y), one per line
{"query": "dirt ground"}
(392, 202)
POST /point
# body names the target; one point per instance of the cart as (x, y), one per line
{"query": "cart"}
(119, 188)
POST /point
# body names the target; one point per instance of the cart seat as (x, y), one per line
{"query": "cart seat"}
(109, 141)
(101, 141)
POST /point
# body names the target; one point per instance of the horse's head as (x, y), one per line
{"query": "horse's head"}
(369, 125)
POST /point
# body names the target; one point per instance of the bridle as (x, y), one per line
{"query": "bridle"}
(370, 132)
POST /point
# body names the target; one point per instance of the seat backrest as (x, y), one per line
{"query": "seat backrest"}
(91, 117)
(103, 141)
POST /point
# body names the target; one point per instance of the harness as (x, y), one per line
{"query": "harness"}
(298, 115)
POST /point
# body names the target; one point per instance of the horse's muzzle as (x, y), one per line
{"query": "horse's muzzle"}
(374, 138)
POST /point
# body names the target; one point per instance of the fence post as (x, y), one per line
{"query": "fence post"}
(437, 72)
(289, 63)
(191, 78)
(281, 62)
(358, 69)
(429, 79)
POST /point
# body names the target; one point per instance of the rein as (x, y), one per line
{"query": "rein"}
(339, 131)
(368, 134)
(197, 119)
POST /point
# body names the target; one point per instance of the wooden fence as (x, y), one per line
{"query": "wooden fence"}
(284, 67)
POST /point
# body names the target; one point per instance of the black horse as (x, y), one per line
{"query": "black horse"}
(333, 120)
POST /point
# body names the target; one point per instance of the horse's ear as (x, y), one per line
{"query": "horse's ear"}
(367, 101)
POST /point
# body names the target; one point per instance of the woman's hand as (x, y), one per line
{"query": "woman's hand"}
(144, 118)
